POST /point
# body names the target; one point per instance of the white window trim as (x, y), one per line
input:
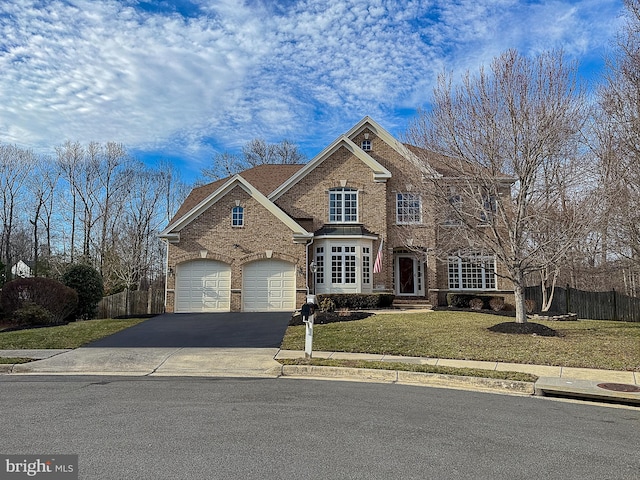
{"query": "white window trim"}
(399, 221)
(363, 279)
(240, 210)
(340, 216)
(459, 261)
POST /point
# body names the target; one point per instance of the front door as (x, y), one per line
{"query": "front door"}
(408, 276)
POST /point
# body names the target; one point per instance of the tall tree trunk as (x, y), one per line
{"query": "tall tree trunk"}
(518, 290)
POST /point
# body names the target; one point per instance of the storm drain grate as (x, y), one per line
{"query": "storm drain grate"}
(619, 387)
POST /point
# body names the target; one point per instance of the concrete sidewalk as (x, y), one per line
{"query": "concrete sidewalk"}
(144, 361)
(605, 385)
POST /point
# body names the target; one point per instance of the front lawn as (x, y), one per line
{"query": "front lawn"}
(463, 335)
(73, 335)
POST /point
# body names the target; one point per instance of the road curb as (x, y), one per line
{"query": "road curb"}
(411, 378)
(6, 367)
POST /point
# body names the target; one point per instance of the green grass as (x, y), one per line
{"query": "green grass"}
(12, 360)
(462, 335)
(409, 367)
(73, 335)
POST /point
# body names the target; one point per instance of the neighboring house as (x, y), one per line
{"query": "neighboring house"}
(22, 269)
(247, 243)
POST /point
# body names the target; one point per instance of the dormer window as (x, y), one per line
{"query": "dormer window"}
(366, 145)
(237, 216)
(343, 205)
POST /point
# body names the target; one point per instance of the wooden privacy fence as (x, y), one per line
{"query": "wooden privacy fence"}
(610, 305)
(131, 303)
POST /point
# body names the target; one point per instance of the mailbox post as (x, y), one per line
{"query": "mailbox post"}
(307, 313)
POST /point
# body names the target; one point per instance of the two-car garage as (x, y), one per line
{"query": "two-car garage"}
(205, 286)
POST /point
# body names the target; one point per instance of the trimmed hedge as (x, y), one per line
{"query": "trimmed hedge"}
(357, 301)
(38, 301)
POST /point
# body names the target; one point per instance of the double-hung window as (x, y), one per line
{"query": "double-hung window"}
(489, 208)
(453, 210)
(408, 208)
(343, 205)
(237, 216)
(472, 272)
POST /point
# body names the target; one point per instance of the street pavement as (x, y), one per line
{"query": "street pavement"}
(247, 345)
(167, 428)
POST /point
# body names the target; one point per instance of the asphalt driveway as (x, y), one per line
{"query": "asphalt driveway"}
(203, 330)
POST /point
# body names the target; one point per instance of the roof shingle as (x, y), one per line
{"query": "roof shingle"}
(265, 178)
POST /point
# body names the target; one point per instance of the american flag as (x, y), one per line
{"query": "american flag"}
(377, 267)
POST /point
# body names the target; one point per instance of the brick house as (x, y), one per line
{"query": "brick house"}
(251, 242)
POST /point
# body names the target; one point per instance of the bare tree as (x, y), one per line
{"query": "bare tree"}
(505, 137)
(112, 194)
(255, 152)
(172, 188)
(15, 166)
(617, 146)
(41, 186)
(70, 157)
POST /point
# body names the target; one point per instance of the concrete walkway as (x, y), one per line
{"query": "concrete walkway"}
(262, 362)
(158, 361)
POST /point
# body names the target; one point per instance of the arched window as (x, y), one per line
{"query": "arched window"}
(237, 216)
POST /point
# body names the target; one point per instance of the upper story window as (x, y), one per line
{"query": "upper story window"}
(366, 145)
(408, 208)
(452, 215)
(489, 208)
(343, 205)
(237, 216)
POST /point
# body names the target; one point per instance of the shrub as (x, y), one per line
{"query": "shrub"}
(357, 301)
(496, 303)
(458, 300)
(32, 314)
(476, 303)
(529, 305)
(85, 280)
(327, 305)
(48, 294)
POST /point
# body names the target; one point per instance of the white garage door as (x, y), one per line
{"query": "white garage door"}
(203, 286)
(268, 285)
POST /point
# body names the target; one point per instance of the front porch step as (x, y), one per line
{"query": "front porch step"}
(411, 304)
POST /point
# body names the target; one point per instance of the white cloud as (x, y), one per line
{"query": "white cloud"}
(226, 72)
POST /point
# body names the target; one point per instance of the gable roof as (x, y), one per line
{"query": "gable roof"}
(265, 178)
(380, 173)
(172, 231)
(449, 167)
(402, 149)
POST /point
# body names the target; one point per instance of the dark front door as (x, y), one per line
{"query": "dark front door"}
(406, 277)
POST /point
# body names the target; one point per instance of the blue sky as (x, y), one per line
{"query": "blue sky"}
(184, 79)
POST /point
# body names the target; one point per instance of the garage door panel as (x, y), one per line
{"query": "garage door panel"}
(203, 286)
(269, 285)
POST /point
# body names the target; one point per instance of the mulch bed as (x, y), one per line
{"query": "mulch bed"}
(529, 328)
